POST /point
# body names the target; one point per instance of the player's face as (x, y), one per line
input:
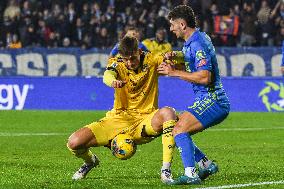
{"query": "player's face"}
(133, 33)
(177, 27)
(160, 35)
(132, 62)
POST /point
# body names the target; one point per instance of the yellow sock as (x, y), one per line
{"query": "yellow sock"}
(168, 141)
(84, 154)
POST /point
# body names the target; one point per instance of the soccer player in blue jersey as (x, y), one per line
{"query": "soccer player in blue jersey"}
(131, 32)
(211, 104)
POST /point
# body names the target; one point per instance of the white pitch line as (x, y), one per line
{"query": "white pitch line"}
(32, 134)
(244, 185)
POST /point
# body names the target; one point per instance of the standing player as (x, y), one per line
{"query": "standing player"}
(159, 44)
(132, 32)
(211, 104)
(134, 77)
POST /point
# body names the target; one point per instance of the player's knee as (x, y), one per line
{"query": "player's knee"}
(168, 113)
(73, 142)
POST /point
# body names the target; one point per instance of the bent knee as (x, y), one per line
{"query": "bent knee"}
(168, 113)
(73, 142)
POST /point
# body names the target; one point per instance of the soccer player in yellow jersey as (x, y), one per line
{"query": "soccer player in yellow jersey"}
(158, 44)
(134, 77)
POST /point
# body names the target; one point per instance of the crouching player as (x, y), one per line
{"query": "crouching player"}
(211, 104)
(134, 77)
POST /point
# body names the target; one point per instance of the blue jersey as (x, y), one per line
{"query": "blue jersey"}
(211, 105)
(199, 54)
(141, 46)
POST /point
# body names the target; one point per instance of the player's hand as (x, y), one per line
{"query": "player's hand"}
(118, 84)
(169, 55)
(165, 69)
(282, 69)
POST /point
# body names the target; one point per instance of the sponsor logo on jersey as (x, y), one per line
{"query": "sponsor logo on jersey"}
(202, 63)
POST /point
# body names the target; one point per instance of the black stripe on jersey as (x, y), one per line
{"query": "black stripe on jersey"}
(168, 130)
(142, 57)
(112, 69)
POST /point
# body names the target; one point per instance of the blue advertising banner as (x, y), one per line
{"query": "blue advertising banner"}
(78, 93)
(62, 62)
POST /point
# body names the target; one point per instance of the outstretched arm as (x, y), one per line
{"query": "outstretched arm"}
(110, 79)
(203, 77)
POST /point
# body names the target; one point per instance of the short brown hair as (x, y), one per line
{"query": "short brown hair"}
(184, 12)
(128, 46)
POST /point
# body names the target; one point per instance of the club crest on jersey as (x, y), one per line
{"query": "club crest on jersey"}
(113, 65)
(200, 55)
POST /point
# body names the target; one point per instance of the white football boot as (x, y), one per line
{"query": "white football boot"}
(85, 168)
(166, 176)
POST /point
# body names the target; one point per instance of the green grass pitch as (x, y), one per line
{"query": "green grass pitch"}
(249, 148)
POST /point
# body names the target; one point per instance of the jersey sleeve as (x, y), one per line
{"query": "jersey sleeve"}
(158, 59)
(143, 47)
(109, 77)
(113, 65)
(201, 57)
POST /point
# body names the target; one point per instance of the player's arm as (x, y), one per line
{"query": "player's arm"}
(203, 77)
(171, 58)
(175, 57)
(111, 75)
(203, 65)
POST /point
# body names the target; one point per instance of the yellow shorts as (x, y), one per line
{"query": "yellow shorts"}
(124, 122)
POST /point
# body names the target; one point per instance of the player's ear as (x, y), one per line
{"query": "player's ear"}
(183, 25)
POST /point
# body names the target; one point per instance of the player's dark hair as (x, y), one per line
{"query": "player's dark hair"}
(128, 46)
(184, 12)
(127, 28)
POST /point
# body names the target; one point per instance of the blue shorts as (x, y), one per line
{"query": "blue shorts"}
(209, 111)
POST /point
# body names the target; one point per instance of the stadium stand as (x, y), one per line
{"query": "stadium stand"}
(98, 23)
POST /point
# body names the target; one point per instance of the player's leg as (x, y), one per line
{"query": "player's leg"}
(95, 134)
(190, 123)
(187, 124)
(164, 120)
(79, 143)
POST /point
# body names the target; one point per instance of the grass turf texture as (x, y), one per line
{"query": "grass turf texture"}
(244, 156)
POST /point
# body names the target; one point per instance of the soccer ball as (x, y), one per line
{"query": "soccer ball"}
(123, 146)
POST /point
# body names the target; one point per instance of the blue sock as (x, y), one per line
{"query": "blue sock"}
(198, 154)
(186, 149)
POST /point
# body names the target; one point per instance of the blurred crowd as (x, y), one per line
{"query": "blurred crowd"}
(101, 23)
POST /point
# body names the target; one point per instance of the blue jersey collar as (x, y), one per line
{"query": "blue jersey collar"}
(191, 38)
